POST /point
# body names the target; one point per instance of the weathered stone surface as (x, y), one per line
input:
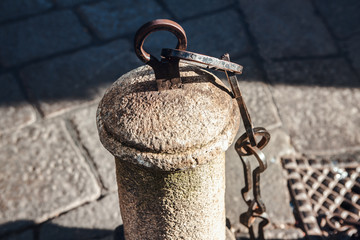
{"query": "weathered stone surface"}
(14, 109)
(42, 175)
(67, 3)
(184, 204)
(113, 18)
(287, 28)
(40, 36)
(206, 35)
(85, 122)
(93, 220)
(77, 78)
(256, 95)
(323, 115)
(274, 190)
(352, 47)
(10, 9)
(343, 17)
(186, 9)
(168, 130)
(27, 235)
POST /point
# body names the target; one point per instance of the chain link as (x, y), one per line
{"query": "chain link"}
(247, 145)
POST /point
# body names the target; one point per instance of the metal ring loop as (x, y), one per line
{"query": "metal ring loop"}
(244, 140)
(157, 25)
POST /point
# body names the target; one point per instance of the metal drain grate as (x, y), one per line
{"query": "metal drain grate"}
(326, 194)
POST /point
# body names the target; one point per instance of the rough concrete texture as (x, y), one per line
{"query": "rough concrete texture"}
(272, 182)
(169, 130)
(109, 19)
(85, 123)
(40, 36)
(92, 70)
(10, 9)
(14, 109)
(210, 41)
(315, 115)
(93, 220)
(172, 205)
(287, 28)
(43, 175)
(186, 9)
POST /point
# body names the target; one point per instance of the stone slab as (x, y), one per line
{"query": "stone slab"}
(78, 78)
(42, 175)
(92, 221)
(85, 122)
(273, 183)
(343, 17)
(318, 102)
(287, 28)
(11, 9)
(217, 34)
(27, 235)
(15, 111)
(186, 9)
(283, 234)
(69, 3)
(40, 36)
(256, 94)
(352, 47)
(109, 19)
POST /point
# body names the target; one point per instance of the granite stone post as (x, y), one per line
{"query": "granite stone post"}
(169, 150)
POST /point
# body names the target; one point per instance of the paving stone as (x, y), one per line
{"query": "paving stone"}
(287, 28)
(283, 234)
(113, 18)
(85, 122)
(27, 235)
(273, 184)
(14, 109)
(343, 17)
(78, 78)
(40, 36)
(352, 47)
(68, 3)
(256, 95)
(318, 102)
(93, 220)
(206, 35)
(11, 9)
(185, 9)
(42, 175)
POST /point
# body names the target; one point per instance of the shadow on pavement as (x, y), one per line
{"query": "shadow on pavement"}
(50, 231)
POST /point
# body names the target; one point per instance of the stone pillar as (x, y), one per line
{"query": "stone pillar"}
(169, 152)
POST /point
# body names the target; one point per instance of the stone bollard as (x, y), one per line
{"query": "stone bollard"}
(169, 152)
(169, 139)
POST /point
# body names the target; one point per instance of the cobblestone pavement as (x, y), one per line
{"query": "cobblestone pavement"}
(301, 81)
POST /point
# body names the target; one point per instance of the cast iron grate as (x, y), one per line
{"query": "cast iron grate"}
(326, 195)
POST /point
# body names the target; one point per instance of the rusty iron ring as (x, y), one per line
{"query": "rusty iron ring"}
(243, 141)
(153, 26)
(209, 62)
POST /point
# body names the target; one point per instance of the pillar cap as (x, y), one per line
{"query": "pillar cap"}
(172, 129)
